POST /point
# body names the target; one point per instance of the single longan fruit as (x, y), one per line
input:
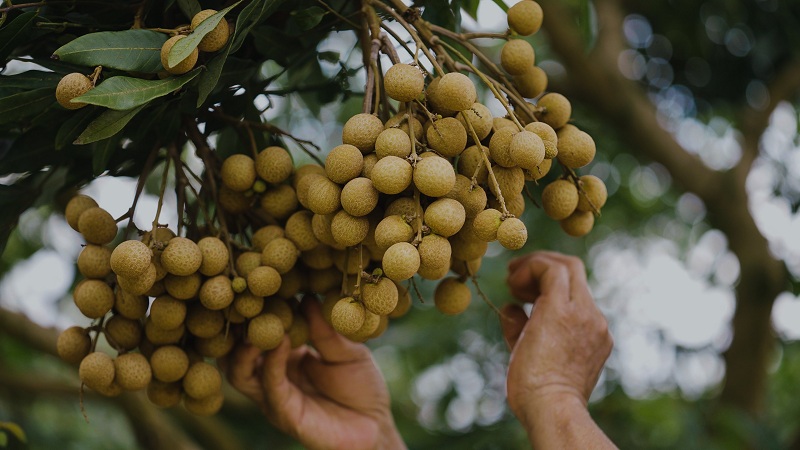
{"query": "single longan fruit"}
(140, 284)
(280, 254)
(381, 297)
(525, 17)
(452, 296)
(181, 256)
(183, 288)
(344, 162)
(511, 181)
(472, 198)
(548, 135)
(203, 322)
(434, 257)
(515, 204)
(75, 207)
(560, 199)
(274, 164)
(73, 85)
(578, 224)
(517, 56)
(265, 235)
(500, 146)
(467, 248)
(405, 123)
(368, 327)
(158, 336)
(466, 268)
(248, 305)
(593, 193)
(281, 308)
(265, 331)
(456, 92)
(246, 262)
(97, 226)
(94, 261)
(182, 67)
(527, 150)
(486, 223)
(129, 305)
(532, 82)
(402, 206)
(480, 117)
(132, 371)
(362, 131)
(347, 315)
(400, 261)
(348, 230)
(576, 148)
(434, 99)
(97, 371)
(298, 332)
(403, 82)
(73, 344)
(164, 395)
(125, 333)
(369, 162)
(392, 141)
(318, 258)
(215, 346)
(539, 171)
(215, 256)
(470, 161)
(391, 230)
(238, 172)
(202, 380)
(321, 228)
(359, 197)
(93, 298)
(324, 196)
(445, 216)
(207, 406)
(234, 202)
(512, 233)
(130, 258)
(216, 293)
(169, 363)
(299, 231)
(279, 202)
(447, 136)
(434, 176)
(264, 281)
(555, 110)
(391, 175)
(403, 303)
(215, 39)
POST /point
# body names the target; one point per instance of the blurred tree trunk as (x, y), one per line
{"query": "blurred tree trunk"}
(593, 78)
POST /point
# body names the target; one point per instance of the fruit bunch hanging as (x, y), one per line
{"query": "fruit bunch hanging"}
(424, 178)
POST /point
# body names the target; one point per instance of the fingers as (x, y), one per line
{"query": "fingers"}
(242, 367)
(332, 346)
(512, 320)
(548, 274)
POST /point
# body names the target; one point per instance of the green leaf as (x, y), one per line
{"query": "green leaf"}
(502, 5)
(106, 125)
(123, 93)
(305, 19)
(251, 15)
(15, 32)
(471, 7)
(25, 104)
(184, 47)
(32, 79)
(73, 126)
(15, 430)
(102, 153)
(209, 78)
(189, 7)
(130, 50)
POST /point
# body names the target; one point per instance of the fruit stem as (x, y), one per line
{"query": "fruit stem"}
(146, 169)
(419, 216)
(485, 159)
(357, 291)
(416, 289)
(160, 198)
(483, 296)
(96, 74)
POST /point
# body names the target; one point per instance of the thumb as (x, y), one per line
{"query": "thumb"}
(512, 320)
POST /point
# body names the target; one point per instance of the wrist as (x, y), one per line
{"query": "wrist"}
(552, 414)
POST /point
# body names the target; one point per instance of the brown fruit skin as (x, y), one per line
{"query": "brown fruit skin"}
(181, 257)
(164, 395)
(73, 85)
(392, 141)
(73, 344)
(362, 131)
(324, 195)
(97, 226)
(512, 234)
(280, 254)
(264, 235)
(391, 175)
(130, 258)
(347, 316)
(183, 66)
(279, 202)
(94, 261)
(348, 230)
(344, 162)
(215, 346)
(532, 82)
(576, 148)
(525, 18)
(274, 164)
(469, 160)
(216, 293)
(93, 298)
(381, 297)
(403, 303)
(359, 197)
(265, 331)
(557, 110)
(578, 224)
(216, 38)
(132, 371)
(403, 82)
(434, 176)
(97, 370)
(299, 231)
(75, 207)
(264, 281)
(456, 91)
(559, 199)
(203, 322)
(183, 288)
(593, 194)
(207, 406)
(486, 224)
(202, 380)
(129, 305)
(125, 333)
(169, 363)
(238, 172)
(215, 256)
(141, 284)
(517, 56)
(401, 261)
(434, 257)
(452, 296)
(481, 119)
(445, 216)
(447, 136)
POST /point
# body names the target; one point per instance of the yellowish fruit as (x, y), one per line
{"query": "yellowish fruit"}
(274, 164)
(456, 91)
(264, 236)
(97, 226)
(391, 175)
(347, 315)
(238, 172)
(182, 67)
(216, 38)
(559, 199)
(183, 288)
(381, 297)
(203, 322)
(216, 293)
(512, 233)
(593, 194)
(434, 257)
(324, 196)
(532, 82)
(348, 230)
(140, 284)
(132, 371)
(500, 146)
(264, 281)
(392, 141)
(130, 258)
(359, 197)
(555, 110)
(452, 296)
(447, 136)
(164, 395)
(123, 332)
(248, 305)
(344, 162)
(279, 202)
(434, 176)
(202, 380)
(93, 298)
(486, 223)
(75, 207)
(207, 406)
(527, 149)
(280, 254)
(181, 256)
(129, 305)
(400, 261)
(403, 82)
(94, 261)
(525, 17)
(517, 56)
(480, 117)
(362, 131)
(578, 224)
(73, 85)
(299, 231)
(576, 148)
(97, 371)
(470, 164)
(215, 256)
(265, 331)
(169, 363)
(73, 344)
(445, 216)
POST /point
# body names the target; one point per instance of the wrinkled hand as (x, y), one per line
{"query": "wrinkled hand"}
(329, 396)
(556, 354)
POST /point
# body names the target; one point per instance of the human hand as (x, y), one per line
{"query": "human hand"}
(556, 354)
(331, 396)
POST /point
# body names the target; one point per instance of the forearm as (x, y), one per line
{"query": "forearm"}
(563, 423)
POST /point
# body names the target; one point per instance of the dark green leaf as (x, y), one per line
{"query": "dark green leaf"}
(73, 126)
(305, 19)
(189, 7)
(471, 7)
(587, 21)
(25, 104)
(32, 79)
(442, 13)
(251, 15)
(330, 56)
(102, 152)
(130, 50)
(106, 125)
(13, 33)
(123, 93)
(13, 201)
(208, 80)
(502, 5)
(184, 47)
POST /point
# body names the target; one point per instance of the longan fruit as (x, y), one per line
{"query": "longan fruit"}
(576, 148)
(403, 302)
(132, 371)
(525, 17)
(94, 261)
(216, 293)
(207, 406)
(318, 258)
(578, 224)
(248, 305)
(73, 85)
(434, 256)
(215, 256)
(500, 146)
(265, 235)
(97, 226)
(274, 164)
(203, 322)
(348, 230)
(202, 380)
(359, 197)
(511, 181)
(486, 224)
(183, 287)
(181, 256)
(466, 268)
(548, 135)
(97, 370)
(498, 123)
(93, 298)
(435, 100)
(369, 162)
(593, 193)
(452, 296)
(125, 333)
(517, 56)
(405, 123)
(347, 315)
(129, 305)
(532, 82)
(480, 117)
(216, 346)
(280, 308)
(400, 261)
(391, 230)
(472, 160)
(321, 228)
(215, 39)
(381, 297)
(169, 363)
(456, 92)
(164, 395)
(512, 233)
(232, 201)
(555, 110)
(467, 249)
(472, 198)
(392, 141)
(298, 230)
(447, 136)
(559, 199)
(280, 254)
(324, 196)
(140, 284)
(445, 216)
(246, 262)
(434, 176)
(362, 131)
(182, 67)
(263, 281)
(515, 204)
(75, 207)
(73, 344)
(344, 162)
(403, 82)
(540, 170)
(265, 331)
(238, 172)
(298, 332)
(158, 336)
(527, 150)
(368, 327)
(402, 206)
(391, 175)
(130, 258)
(279, 202)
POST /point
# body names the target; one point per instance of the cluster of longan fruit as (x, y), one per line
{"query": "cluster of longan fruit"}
(75, 84)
